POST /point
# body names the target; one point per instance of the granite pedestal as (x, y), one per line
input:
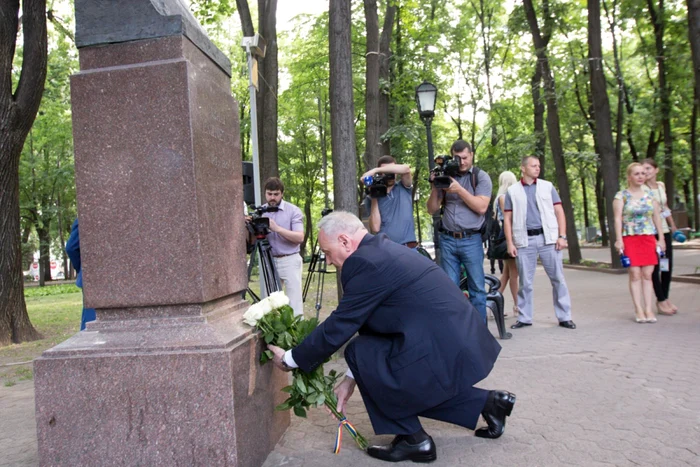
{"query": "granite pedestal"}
(167, 374)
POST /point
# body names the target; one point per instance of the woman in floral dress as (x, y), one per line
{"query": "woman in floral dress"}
(637, 222)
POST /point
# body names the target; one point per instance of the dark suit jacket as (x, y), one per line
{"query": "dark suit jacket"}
(422, 341)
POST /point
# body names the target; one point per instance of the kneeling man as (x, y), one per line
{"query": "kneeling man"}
(421, 346)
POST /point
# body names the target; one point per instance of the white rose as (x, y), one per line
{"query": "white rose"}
(253, 314)
(278, 299)
(257, 311)
(265, 306)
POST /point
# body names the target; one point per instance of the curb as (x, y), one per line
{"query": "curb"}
(680, 278)
(594, 269)
(686, 279)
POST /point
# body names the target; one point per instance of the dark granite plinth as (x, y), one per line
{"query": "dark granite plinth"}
(167, 374)
(167, 393)
(158, 175)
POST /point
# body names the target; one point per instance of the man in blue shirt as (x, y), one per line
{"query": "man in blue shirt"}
(462, 207)
(393, 214)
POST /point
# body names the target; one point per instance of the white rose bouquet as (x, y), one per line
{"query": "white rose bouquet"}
(275, 320)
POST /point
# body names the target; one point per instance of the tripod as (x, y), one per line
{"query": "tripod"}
(318, 266)
(267, 271)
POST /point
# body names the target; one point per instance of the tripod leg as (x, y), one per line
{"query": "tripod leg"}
(251, 264)
(272, 281)
(312, 268)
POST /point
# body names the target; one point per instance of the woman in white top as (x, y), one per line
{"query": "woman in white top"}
(510, 270)
(662, 279)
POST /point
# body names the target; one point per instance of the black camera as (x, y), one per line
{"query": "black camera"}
(445, 167)
(259, 226)
(326, 211)
(376, 186)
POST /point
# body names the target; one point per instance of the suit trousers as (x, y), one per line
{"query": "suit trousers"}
(526, 262)
(463, 409)
(289, 271)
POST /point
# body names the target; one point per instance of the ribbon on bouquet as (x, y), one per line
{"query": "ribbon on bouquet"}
(339, 437)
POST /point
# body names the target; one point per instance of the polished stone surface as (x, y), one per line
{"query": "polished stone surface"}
(158, 178)
(167, 374)
(99, 22)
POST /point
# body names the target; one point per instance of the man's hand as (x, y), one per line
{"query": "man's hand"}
(278, 356)
(343, 392)
(512, 250)
(369, 173)
(561, 244)
(454, 186)
(273, 226)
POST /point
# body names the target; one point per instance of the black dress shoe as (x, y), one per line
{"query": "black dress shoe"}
(520, 324)
(399, 450)
(498, 407)
(567, 324)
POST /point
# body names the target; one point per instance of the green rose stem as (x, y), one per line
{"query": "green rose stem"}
(332, 406)
(281, 328)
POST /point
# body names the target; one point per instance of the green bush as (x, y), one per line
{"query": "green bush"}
(50, 290)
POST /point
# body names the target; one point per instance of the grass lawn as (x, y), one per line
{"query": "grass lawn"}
(55, 312)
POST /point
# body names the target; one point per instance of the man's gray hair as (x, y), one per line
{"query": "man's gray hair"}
(339, 222)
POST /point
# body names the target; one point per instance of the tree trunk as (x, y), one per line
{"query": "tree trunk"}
(586, 221)
(554, 133)
(342, 112)
(600, 204)
(384, 68)
(44, 252)
(694, 161)
(538, 105)
(17, 113)
(267, 91)
(658, 21)
(342, 109)
(694, 36)
(601, 112)
(372, 147)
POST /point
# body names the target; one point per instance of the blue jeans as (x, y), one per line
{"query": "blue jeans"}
(470, 253)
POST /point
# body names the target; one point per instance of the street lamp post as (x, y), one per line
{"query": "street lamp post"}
(426, 96)
(254, 47)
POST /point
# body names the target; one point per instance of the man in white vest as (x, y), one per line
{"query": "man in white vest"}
(535, 225)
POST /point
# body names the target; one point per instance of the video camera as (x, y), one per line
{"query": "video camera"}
(326, 211)
(445, 167)
(375, 186)
(259, 226)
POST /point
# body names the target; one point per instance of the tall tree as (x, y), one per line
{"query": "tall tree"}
(601, 112)
(342, 108)
(17, 112)
(376, 101)
(268, 91)
(658, 20)
(694, 36)
(554, 130)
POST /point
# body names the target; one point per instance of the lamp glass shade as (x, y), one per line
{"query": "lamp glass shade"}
(426, 95)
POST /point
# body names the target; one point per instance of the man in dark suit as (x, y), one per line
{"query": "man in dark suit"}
(421, 345)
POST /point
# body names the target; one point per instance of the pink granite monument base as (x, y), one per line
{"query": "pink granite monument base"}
(167, 374)
(186, 392)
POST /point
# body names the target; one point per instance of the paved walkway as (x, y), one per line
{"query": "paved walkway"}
(610, 393)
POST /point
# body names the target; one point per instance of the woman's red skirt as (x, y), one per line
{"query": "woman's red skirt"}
(641, 250)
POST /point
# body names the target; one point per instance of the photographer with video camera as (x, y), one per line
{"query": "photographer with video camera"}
(390, 204)
(461, 193)
(286, 234)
